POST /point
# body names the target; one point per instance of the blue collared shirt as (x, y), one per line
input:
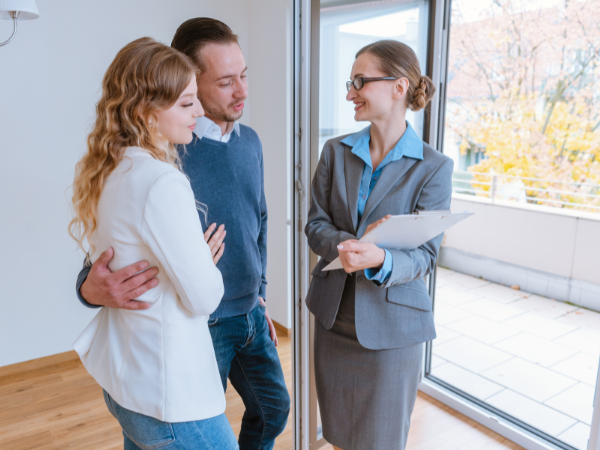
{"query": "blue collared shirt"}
(409, 145)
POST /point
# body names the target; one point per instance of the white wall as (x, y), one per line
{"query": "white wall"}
(544, 250)
(270, 34)
(49, 82)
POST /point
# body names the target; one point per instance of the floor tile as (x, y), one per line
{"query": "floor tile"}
(577, 402)
(540, 326)
(536, 350)
(445, 314)
(439, 282)
(444, 335)
(454, 296)
(484, 330)
(576, 436)
(491, 309)
(442, 272)
(584, 339)
(466, 381)
(582, 367)
(544, 306)
(582, 318)
(540, 416)
(462, 281)
(470, 354)
(530, 380)
(500, 293)
(436, 361)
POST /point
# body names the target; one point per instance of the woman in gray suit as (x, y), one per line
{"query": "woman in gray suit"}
(374, 316)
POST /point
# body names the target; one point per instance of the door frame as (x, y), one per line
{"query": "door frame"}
(594, 441)
(306, 138)
(305, 95)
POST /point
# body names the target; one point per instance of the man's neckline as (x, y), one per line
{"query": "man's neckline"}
(203, 124)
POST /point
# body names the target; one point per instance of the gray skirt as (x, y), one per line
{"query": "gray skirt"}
(366, 397)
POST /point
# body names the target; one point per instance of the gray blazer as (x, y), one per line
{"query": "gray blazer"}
(398, 313)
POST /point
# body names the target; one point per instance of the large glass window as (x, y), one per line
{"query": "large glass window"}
(345, 28)
(516, 308)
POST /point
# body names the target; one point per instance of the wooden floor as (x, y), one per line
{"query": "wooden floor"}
(53, 404)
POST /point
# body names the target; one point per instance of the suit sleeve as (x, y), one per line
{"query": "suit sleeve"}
(323, 236)
(380, 276)
(414, 264)
(172, 230)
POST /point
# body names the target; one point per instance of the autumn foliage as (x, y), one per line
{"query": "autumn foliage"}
(524, 89)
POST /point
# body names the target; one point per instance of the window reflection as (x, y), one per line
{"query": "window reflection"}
(347, 28)
(516, 331)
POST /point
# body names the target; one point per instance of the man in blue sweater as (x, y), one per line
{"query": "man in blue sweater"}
(225, 166)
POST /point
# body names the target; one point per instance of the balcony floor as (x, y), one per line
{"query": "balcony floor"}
(530, 356)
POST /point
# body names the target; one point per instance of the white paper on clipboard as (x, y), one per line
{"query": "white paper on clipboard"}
(408, 232)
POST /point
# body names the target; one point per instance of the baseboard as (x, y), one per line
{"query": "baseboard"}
(37, 363)
(281, 330)
(581, 293)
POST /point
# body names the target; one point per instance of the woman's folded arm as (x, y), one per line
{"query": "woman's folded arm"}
(171, 228)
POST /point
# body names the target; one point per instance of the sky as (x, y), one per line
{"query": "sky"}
(385, 26)
(390, 25)
(473, 10)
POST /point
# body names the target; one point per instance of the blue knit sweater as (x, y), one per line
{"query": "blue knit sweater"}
(229, 179)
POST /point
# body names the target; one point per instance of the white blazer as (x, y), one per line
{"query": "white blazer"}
(159, 362)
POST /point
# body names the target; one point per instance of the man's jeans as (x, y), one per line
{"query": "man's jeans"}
(144, 433)
(247, 355)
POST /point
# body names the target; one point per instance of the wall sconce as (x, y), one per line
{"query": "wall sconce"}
(17, 9)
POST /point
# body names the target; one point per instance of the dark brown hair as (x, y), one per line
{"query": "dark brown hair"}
(399, 60)
(194, 34)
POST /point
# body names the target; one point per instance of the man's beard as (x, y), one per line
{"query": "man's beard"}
(218, 114)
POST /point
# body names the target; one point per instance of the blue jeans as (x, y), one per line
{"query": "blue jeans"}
(247, 355)
(143, 432)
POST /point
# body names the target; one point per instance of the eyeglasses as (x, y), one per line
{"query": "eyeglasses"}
(359, 82)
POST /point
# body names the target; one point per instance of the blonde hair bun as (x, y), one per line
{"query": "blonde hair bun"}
(422, 94)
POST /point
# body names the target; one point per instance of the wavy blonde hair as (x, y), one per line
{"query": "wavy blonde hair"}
(144, 78)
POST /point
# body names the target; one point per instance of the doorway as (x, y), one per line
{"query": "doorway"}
(329, 32)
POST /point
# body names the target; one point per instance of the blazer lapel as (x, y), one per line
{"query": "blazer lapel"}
(391, 174)
(353, 170)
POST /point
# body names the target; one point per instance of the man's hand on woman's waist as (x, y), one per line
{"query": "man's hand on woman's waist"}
(120, 289)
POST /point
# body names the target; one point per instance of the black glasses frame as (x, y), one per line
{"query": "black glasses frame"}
(359, 82)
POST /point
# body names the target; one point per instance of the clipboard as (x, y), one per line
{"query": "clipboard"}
(409, 231)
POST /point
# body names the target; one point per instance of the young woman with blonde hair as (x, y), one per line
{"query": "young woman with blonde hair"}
(157, 366)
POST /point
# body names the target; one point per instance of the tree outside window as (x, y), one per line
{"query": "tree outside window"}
(523, 98)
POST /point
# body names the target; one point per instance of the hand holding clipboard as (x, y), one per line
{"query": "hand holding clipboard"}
(407, 232)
